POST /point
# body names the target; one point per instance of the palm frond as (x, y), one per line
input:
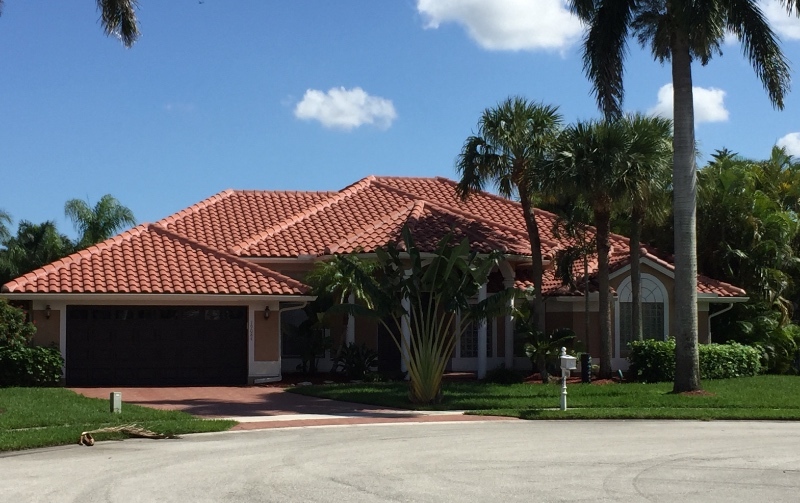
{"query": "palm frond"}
(761, 47)
(118, 18)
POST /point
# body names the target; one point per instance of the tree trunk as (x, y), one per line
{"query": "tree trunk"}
(684, 181)
(636, 273)
(536, 256)
(602, 217)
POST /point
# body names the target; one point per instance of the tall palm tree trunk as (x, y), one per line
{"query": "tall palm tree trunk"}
(684, 179)
(536, 256)
(637, 218)
(602, 216)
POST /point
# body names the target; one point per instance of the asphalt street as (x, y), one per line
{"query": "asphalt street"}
(573, 461)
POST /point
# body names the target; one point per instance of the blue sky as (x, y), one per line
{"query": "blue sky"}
(307, 95)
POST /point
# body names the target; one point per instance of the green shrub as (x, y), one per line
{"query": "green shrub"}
(14, 329)
(503, 375)
(23, 365)
(723, 361)
(654, 361)
(355, 361)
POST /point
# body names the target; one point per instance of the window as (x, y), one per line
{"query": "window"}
(652, 322)
(469, 340)
(294, 339)
(654, 312)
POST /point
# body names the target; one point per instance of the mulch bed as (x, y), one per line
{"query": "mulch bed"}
(536, 379)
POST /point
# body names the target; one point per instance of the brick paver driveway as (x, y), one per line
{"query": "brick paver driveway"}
(268, 406)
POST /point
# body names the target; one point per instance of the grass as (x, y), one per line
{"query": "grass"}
(42, 417)
(761, 397)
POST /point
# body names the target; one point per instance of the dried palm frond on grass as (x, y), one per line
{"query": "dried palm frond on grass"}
(131, 430)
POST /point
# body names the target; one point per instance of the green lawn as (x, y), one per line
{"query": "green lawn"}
(762, 397)
(41, 417)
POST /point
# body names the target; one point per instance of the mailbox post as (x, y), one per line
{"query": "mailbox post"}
(567, 364)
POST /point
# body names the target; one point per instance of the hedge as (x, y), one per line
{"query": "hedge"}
(23, 365)
(654, 361)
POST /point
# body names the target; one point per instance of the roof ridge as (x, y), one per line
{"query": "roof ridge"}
(285, 191)
(463, 214)
(227, 256)
(75, 257)
(408, 208)
(335, 197)
(196, 207)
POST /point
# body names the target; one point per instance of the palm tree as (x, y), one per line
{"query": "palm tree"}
(511, 151)
(645, 177)
(118, 18)
(680, 31)
(590, 157)
(99, 223)
(34, 246)
(5, 221)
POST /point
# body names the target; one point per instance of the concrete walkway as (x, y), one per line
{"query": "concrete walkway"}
(258, 407)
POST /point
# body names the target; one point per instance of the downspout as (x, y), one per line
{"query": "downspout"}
(730, 306)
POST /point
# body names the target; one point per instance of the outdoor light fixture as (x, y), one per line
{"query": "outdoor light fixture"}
(266, 313)
(47, 312)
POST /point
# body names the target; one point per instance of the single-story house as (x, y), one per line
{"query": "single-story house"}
(206, 296)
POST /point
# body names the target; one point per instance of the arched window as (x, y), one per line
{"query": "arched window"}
(655, 312)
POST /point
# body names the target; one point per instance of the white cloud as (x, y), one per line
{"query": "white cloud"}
(346, 109)
(788, 27)
(507, 24)
(709, 104)
(791, 142)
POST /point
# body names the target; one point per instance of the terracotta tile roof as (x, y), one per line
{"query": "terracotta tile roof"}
(369, 214)
(195, 250)
(151, 259)
(226, 219)
(428, 223)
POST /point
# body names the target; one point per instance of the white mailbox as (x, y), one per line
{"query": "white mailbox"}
(567, 362)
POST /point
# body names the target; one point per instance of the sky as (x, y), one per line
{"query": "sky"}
(311, 94)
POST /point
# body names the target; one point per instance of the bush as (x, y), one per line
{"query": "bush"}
(651, 360)
(723, 361)
(503, 375)
(14, 329)
(355, 361)
(23, 365)
(20, 363)
(654, 361)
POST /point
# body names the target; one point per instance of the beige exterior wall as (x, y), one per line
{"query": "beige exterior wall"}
(702, 325)
(47, 329)
(592, 345)
(266, 338)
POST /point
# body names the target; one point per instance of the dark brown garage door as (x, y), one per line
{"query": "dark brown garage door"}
(156, 346)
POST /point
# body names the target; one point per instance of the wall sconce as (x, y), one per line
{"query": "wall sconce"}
(266, 313)
(47, 312)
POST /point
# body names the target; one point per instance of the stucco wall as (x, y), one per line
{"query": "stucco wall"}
(265, 338)
(47, 329)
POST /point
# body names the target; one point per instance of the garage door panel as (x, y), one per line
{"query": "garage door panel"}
(141, 345)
